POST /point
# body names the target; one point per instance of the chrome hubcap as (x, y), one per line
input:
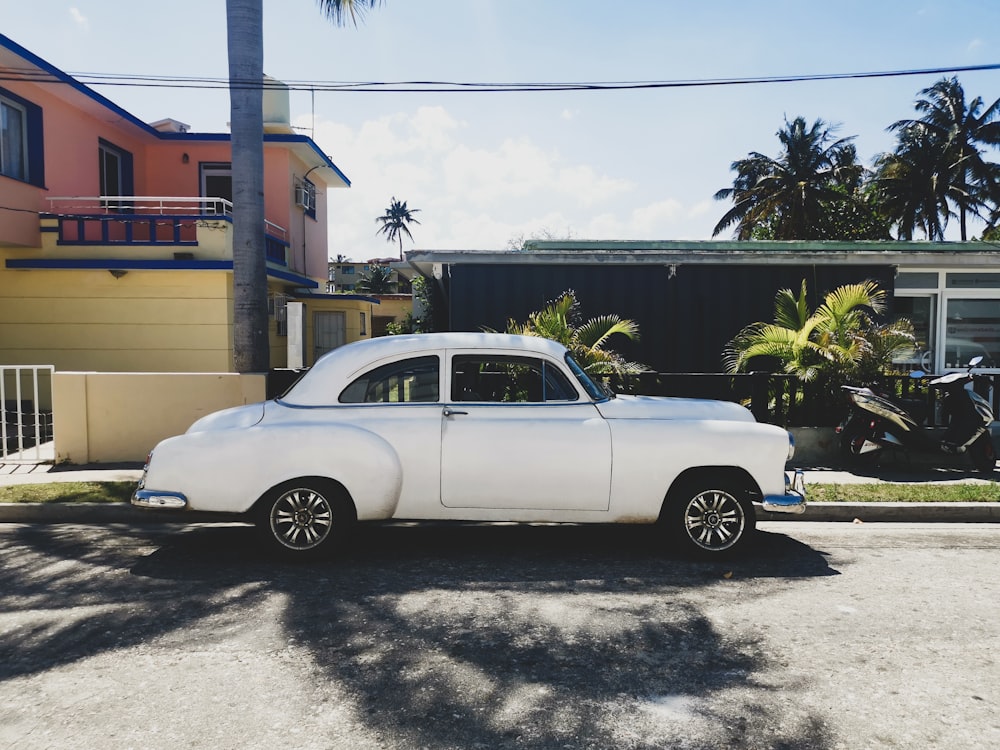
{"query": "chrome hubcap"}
(714, 520)
(301, 519)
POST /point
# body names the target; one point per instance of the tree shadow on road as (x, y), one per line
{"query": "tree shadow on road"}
(488, 636)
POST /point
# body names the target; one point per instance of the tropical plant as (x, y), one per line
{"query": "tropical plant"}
(395, 222)
(793, 196)
(953, 169)
(377, 280)
(421, 320)
(562, 320)
(840, 341)
(244, 28)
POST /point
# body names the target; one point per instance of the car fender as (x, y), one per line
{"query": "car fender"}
(229, 470)
(649, 456)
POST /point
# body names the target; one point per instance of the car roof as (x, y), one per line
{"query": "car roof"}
(340, 366)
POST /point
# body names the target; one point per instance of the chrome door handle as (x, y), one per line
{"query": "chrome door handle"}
(452, 412)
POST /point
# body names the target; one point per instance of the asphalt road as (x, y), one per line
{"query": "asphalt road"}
(827, 635)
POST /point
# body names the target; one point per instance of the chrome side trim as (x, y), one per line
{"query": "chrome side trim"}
(157, 499)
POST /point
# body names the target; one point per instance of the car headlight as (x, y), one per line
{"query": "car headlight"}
(791, 446)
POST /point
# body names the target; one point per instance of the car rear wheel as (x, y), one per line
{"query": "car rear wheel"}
(710, 518)
(306, 518)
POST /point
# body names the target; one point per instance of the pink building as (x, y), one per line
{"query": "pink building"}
(128, 225)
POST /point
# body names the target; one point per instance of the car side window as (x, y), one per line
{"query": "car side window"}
(407, 381)
(502, 379)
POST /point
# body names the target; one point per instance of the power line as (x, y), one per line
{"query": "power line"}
(445, 87)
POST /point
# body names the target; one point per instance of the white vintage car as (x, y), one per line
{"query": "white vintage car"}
(473, 427)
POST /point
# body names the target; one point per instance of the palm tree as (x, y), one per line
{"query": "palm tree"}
(953, 131)
(790, 194)
(908, 185)
(378, 280)
(561, 321)
(244, 28)
(395, 222)
(838, 341)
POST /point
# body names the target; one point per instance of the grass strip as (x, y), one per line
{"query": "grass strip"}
(120, 492)
(903, 493)
(68, 492)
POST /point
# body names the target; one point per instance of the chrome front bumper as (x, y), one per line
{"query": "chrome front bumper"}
(162, 500)
(794, 499)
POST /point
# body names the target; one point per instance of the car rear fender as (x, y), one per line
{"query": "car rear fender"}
(229, 471)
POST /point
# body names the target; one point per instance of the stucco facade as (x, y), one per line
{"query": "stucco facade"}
(116, 235)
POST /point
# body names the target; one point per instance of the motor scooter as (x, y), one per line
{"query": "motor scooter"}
(877, 422)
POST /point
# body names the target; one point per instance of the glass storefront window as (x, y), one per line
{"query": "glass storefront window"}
(923, 280)
(920, 312)
(972, 280)
(972, 329)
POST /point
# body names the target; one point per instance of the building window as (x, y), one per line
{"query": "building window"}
(280, 305)
(216, 180)
(305, 197)
(364, 324)
(348, 270)
(955, 315)
(115, 170)
(972, 329)
(13, 140)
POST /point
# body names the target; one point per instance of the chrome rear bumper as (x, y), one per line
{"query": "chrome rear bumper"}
(157, 499)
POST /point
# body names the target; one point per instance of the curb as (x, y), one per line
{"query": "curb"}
(101, 513)
(104, 513)
(892, 513)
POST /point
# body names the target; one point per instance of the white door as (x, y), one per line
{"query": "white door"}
(329, 332)
(517, 435)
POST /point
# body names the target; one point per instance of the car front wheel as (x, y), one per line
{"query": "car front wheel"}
(710, 519)
(305, 518)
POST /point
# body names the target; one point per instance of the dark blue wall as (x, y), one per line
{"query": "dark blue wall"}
(684, 321)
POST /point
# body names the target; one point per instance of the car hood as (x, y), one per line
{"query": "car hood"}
(235, 418)
(659, 407)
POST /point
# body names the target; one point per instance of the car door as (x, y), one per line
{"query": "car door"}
(518, 434)
(399, 400)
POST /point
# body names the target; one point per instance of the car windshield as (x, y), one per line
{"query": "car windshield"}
(597, 391)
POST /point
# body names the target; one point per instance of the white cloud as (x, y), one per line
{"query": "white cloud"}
(79, 18)
(476, 196)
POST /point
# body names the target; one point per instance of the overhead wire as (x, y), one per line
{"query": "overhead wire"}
(442, 87)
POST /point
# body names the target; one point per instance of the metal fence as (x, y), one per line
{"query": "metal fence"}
(26, 413)
(785, 400)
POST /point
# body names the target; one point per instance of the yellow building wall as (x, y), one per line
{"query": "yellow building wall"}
(394, 306)
(145, 321)
(108, 417)
(353, 309)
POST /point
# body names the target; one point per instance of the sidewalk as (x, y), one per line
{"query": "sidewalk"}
(19, 474)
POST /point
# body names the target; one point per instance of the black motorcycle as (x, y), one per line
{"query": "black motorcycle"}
(876, 422)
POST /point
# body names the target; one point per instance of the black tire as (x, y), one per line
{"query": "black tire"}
(306, 518)
(983, 453)
(710, 518)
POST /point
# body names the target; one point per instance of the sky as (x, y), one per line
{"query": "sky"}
(488, 169)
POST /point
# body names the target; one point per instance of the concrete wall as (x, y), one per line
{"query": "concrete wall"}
(109, 417)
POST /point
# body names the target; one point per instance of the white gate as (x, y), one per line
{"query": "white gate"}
(26, 413)
(329, 332)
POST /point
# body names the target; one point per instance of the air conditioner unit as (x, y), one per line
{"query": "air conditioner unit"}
(304, 197)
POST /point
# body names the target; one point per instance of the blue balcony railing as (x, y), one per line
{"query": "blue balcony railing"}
(148, 220)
